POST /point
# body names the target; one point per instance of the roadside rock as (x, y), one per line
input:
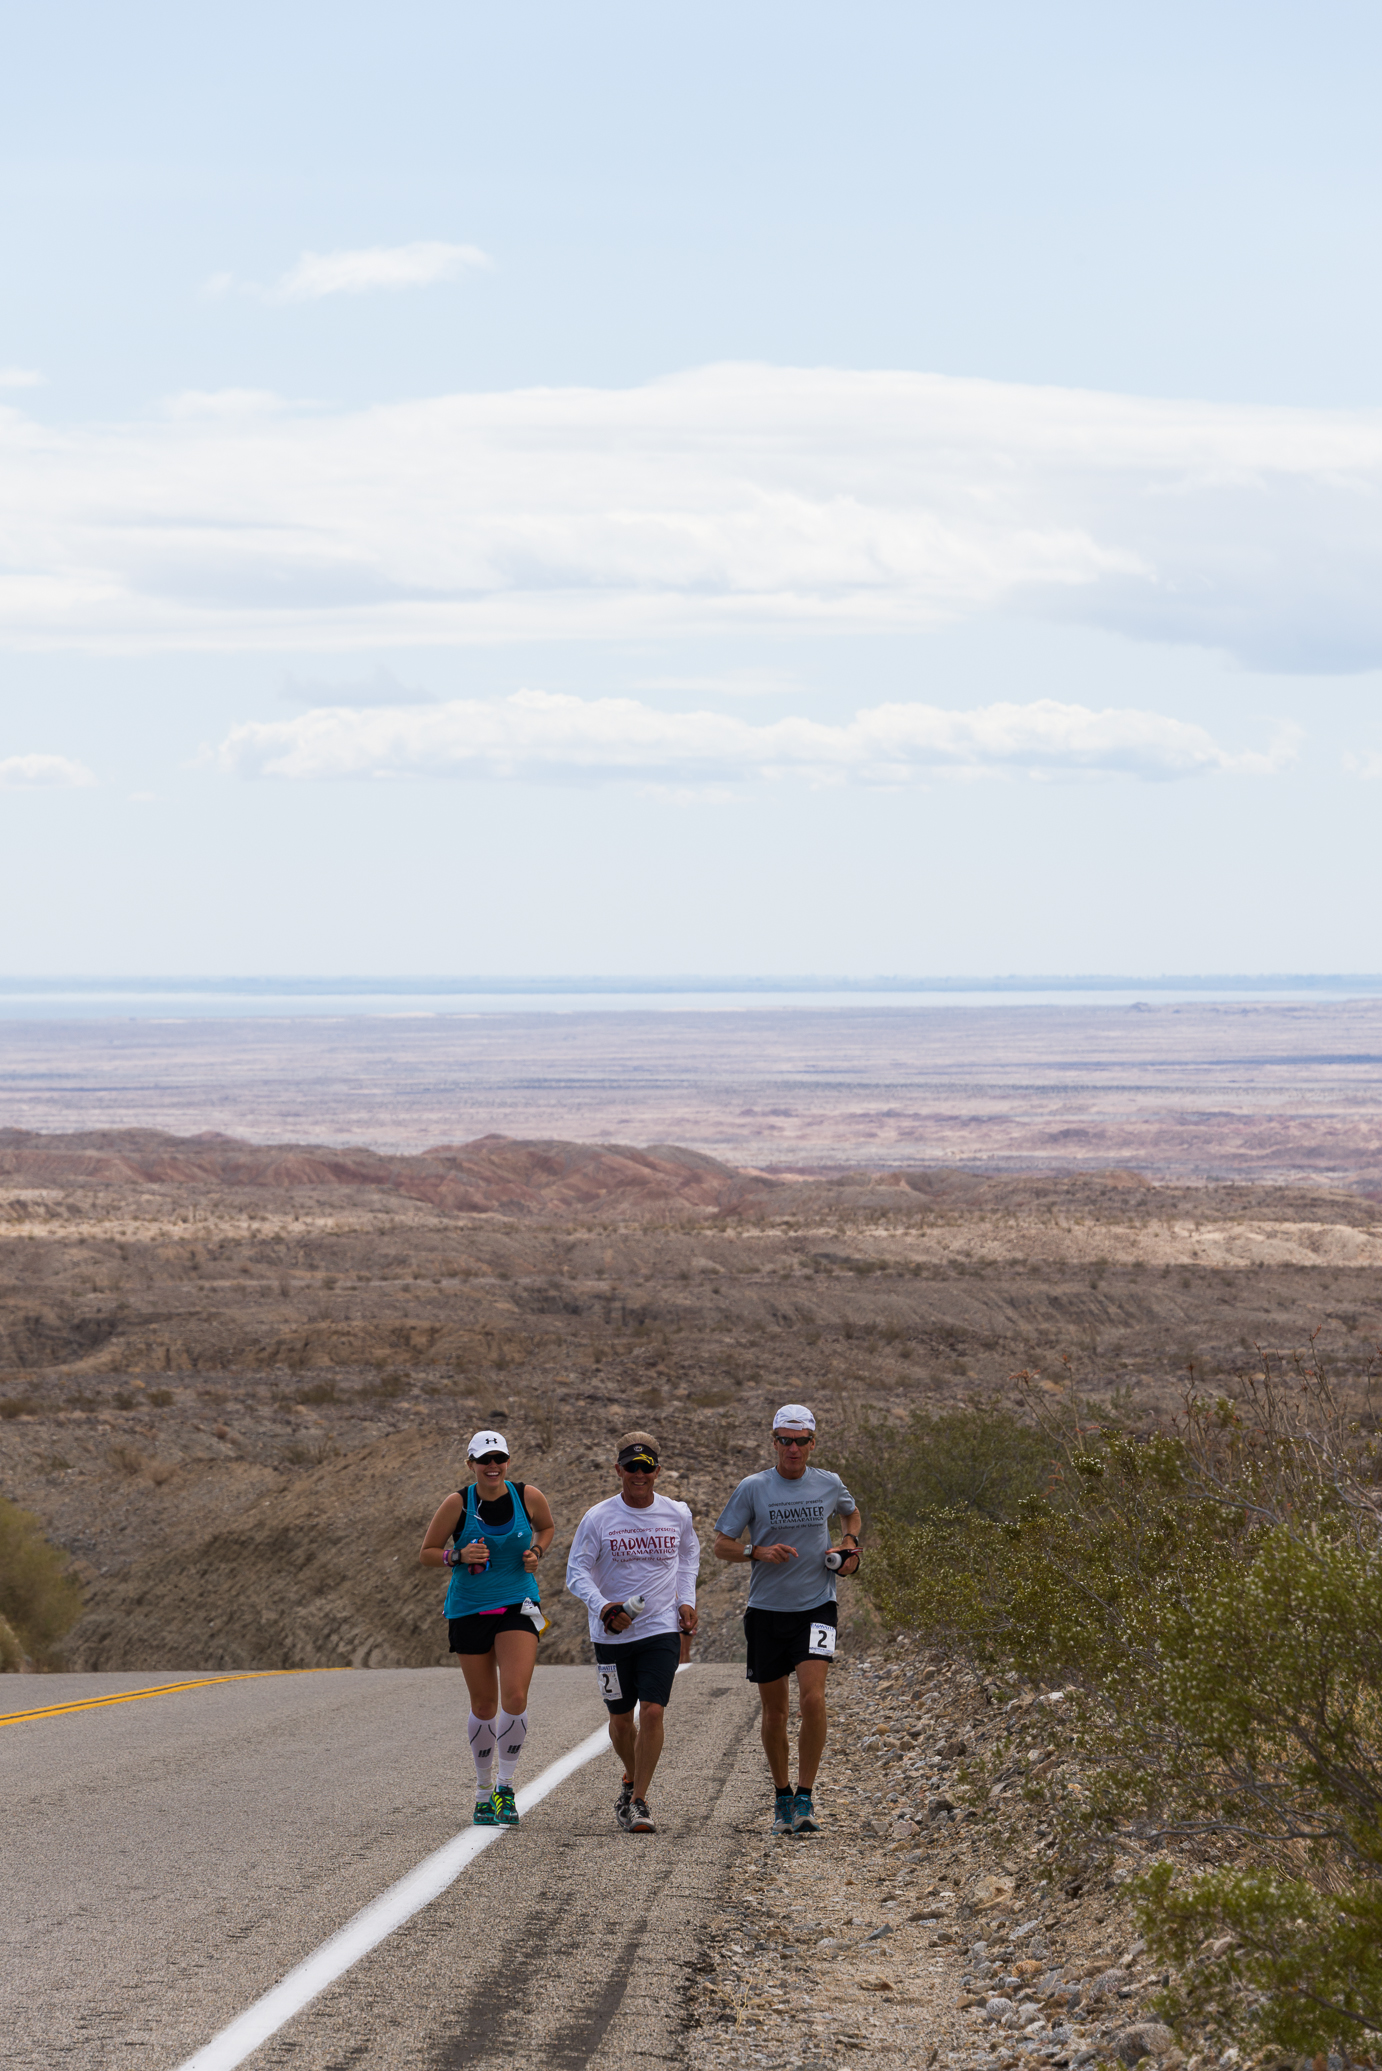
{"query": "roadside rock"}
(1145, 2039)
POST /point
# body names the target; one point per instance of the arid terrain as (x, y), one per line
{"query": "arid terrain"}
(235, 1380)
(1262, 1090)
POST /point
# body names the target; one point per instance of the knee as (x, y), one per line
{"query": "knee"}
(812, 1704)
(650, 1714)
(515, 1702)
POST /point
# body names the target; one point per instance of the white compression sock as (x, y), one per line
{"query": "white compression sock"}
(513, 1731)
(482, 1735)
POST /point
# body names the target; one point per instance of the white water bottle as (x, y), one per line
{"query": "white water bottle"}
(632, 1605)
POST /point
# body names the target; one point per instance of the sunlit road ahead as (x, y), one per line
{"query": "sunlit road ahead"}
(165, 1861)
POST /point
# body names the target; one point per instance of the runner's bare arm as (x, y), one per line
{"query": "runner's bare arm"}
(852, 1527)
(735, 1549)
(544, 1526)
(440, 1530)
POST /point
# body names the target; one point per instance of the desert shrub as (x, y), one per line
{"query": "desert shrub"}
(11, 1653)
(12, 1406)
(1212, 1599)
(318, 1391)
(982, 1460)
(39, 1597)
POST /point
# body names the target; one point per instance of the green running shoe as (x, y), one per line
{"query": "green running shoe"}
(484, 1813)
(804, 1819)
(505, 1811)
(784, 1813)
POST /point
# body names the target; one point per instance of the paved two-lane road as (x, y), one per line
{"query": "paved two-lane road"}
(164, 1862)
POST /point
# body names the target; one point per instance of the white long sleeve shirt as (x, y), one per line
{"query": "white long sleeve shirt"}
(620, 1551)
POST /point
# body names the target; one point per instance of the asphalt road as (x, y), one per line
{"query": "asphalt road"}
(164, 1862)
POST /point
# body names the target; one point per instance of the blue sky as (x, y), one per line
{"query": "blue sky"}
(623, 488)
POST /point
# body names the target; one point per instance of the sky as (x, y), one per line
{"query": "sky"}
(737, 489)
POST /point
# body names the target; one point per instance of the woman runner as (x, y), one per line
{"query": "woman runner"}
(499, 1531)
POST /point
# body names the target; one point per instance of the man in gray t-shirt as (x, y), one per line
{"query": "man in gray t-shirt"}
(780, 1521)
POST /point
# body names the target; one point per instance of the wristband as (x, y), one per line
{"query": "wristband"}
(750, 1553)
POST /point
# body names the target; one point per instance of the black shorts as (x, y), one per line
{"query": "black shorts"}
(780, 1641)
(639, 1672)
(475, 1634)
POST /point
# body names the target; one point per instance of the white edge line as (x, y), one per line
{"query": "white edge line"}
(376, 1921)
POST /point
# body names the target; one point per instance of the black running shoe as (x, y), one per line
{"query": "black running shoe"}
(640, 1818)
(623, 1802)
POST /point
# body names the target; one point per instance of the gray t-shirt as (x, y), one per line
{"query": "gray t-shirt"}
(788, 1513)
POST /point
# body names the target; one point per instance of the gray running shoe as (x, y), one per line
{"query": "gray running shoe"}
(624, 1800)
(784, 1813)
(640, 1818)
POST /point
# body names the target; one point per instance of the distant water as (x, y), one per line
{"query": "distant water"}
(159, 999)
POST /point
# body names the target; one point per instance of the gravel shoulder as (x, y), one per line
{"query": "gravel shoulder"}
(926, 1924)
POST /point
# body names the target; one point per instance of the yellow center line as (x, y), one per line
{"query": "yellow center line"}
(249, 1675)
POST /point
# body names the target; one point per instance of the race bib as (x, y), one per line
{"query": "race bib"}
(822, 1641)
(610, 1687)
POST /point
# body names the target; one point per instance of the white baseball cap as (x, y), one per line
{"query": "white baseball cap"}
(487, 1442)
(794, 1416)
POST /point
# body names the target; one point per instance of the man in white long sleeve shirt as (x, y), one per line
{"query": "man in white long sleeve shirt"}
(636, 1544)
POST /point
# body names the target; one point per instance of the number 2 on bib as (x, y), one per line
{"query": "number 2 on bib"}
(610, 1688)
(822, 1642)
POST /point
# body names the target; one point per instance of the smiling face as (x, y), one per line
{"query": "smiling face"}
(636, 1483)
(490, 1472)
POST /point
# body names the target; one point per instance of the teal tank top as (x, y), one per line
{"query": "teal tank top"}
(505, 1581)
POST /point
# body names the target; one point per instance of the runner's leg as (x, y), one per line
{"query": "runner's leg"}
(647, 1748)
(773, 1697)
(623, 1736)
(482, 1681)
(811, 1731)
(516, 1654)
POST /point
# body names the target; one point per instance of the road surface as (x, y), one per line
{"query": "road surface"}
(165, 1861)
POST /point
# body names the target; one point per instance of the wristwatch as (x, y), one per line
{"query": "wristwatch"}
(751, 1549)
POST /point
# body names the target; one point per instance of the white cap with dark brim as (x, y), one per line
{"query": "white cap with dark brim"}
(487, 1442)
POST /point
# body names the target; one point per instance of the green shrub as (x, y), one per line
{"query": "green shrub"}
(39, 1597)
(982, 1460)
(1212, 1599)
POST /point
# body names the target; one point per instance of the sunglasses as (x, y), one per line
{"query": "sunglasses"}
(491, 1459)
(633, 1468)
(796, 1444)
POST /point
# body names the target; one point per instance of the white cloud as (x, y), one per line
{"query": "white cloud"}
(20, 377)
(35, 772)
(540, 735)
(372, 269)
(419, 265)
(1366, 764)
(731, 499)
